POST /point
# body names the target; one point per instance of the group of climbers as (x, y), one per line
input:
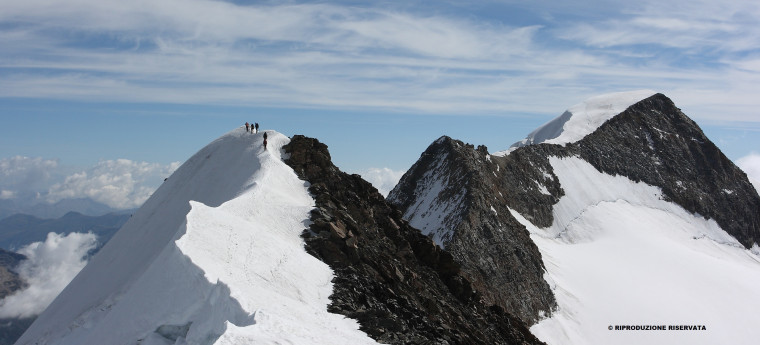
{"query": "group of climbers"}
(254, 128)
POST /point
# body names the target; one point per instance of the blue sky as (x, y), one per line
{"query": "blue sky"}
(92, 84)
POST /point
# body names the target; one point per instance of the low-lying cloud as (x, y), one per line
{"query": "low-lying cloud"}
(21, 175)
(384, 179)
(49, 267)
(120, 183)
(751, 165)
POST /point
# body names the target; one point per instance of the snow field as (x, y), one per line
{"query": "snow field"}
(617, 254)
(581, 119)
(213, 257)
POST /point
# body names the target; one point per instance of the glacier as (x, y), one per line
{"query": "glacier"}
(213, 257)
(618, 254)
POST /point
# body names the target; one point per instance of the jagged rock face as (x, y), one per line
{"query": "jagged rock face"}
(459, 196)
(397, 283)
(11, 328)
(469, 191)
(654, 142)
(9, 280)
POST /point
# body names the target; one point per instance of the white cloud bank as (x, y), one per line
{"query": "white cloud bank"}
(49, 267)
(120, 184)
(751, 166)
(24, 175)
(384, 179)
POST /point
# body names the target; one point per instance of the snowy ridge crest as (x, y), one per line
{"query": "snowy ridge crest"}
(214, 256)
(581, 119)
(637, 216)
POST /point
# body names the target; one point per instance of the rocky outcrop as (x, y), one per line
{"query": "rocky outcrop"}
(399, 285)
(654, 142)
(460, 196)
(9, 280)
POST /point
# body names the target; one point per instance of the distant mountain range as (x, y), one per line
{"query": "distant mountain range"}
(19, 230)
(618, 216)
(11, 328)
(58, 209)
(620, 211)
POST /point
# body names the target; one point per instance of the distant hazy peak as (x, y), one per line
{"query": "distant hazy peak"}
(582, 119)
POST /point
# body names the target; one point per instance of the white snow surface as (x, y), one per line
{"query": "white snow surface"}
(581, 119)
(213, 257)
(432, 210)
(617, 255)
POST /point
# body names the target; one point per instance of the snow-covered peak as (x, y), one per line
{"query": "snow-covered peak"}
(582, 119)
(214, 256)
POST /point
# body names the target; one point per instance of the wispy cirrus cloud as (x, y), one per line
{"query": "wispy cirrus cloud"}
(694, 26)
(209, 51)
(406, 58)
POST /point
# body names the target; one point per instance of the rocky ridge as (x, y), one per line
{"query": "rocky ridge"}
(462, 192)
(471, 192)
(399, 285)
(654, 142)
(10, 282)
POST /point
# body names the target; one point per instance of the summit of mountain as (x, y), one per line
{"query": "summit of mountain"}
(578, 213)
(249, 243)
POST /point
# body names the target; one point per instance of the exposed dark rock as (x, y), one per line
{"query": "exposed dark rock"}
(459, 195)
(654, 142)
(397, 283)
(20, 230)
(470, 192)
(9, 280)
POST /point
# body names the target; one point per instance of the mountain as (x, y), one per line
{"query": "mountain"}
(637, 217)
(216, 255)
(57, 209)
(456, 194)
(9, 280)
(11, 328)
(399, 285)
(20, 230)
